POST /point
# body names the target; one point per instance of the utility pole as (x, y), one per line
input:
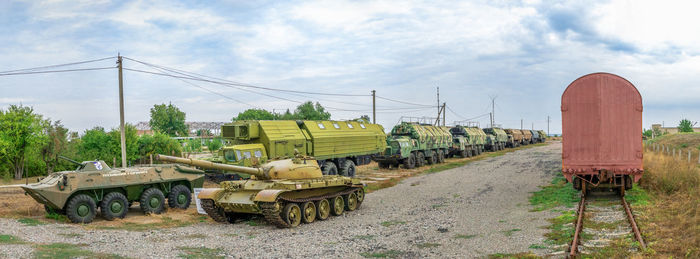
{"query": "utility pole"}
(438, 106)
(533, 126)
(374, 106)
(121, 111)
(444, 105)
(491, 116)
(493, 109)
(548, 125)
(521, 124)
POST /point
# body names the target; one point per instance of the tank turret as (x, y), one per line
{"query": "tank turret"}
(292, 169)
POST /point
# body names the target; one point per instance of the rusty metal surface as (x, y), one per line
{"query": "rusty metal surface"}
(579, 226)
(633, 223)
(601, 126)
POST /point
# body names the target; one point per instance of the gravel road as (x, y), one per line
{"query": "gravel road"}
(471, 211)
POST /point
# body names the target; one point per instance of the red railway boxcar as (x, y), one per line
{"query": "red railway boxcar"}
(602, 132)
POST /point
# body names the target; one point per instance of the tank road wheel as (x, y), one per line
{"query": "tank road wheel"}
(360, 196)
(420, 159)
(441, 156)
(114, 205)
(350, 201)
(292, 214)
(152, 201)
(337, 206)
(323, 209)
(180, 197)
(329, 168)
(308, 212)
(81, 209)
(409, 162)
(348, 168)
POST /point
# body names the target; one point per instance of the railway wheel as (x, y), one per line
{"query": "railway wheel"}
(329, 168)
(81, 209)
(420, 159)
(323, 209)
(410, 161)
(337, 206)
(348, 168)
(152, 201)
(308, 212)
(292, 214)
(441, 156)
(114, 205)
(350, 201)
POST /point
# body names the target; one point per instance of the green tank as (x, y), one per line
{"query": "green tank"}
(286, 192)
(496, 139)
(338, 146)
(467, 141)
(413, 145)
(78, 194)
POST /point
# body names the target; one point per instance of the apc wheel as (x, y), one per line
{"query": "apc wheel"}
(329, 168)
(180, 197)
(81, 209)
(323, 209)
(420, 159)
(410, 161)
(152, 201)
(114, 205)
(348, 168)
(337, 206)
(350, 201)
(50, 210)
(308, 212)
(292, 214)
(441, 156)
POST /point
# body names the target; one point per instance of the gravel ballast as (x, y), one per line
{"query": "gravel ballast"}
(472, 211)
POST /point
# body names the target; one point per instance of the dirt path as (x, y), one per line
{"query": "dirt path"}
(471, 211)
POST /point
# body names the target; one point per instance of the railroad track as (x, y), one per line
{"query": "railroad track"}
(605, 211)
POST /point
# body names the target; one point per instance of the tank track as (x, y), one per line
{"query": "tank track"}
(215, 213)
(273, 214)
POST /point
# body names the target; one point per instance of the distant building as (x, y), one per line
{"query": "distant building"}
(214, 128)
(668, 130)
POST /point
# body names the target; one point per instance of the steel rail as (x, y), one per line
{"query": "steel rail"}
(579, 226)
(633, 223)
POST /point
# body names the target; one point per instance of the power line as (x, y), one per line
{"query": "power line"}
(55, 66)
(55, 71)
(409, 103)
(453, 112)
(243, 84)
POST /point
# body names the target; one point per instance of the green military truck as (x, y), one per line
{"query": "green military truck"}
(467, 141)
(543, 135)
(338, 146)
(496, 139)
(413, 145)
(515, 137)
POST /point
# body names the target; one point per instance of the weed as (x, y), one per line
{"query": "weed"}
(31, 222)
(56, 217)
(200, 252)
(559, 193)
(510, 232)
(9, 239)
(536, 246)
(513, 256)
(70, 235)
(502, 221)
(364, 237)
(437, 206)
(63, 250)
(561, 229)
(461, 236)
(384, 254)
(392, 222)
(427, 245)
(252, 223)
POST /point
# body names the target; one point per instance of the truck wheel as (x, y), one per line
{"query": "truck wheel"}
(329, 168)
(81, 209)
(348, 168)
(420, 159)
(383, 165)
(432, 159)
(409, 162)
(180, 197)
(441, 156)
(464, 153)
(152, 201)
(114, 205)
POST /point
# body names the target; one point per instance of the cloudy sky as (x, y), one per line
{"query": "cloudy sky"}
(523, 52)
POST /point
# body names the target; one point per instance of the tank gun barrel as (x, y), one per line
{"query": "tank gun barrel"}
(258, 172)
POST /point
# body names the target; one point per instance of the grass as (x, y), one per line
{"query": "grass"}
(392, 222)
(10, 239)
(558, 193)
(166, 222)
(427, 245)
(510, 231)
(57, 217)
(527, 255)
(561, 230)
(190, 252)
(70, 235)
(461, 236)
(437, 206)
(383, 254)
(63, 250)
(537, 246)
(31, 222)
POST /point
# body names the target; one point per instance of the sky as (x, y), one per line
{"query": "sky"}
(523, 53)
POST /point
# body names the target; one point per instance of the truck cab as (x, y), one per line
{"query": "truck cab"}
(247, 155)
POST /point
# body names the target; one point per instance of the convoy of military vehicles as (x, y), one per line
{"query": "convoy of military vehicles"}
(287, 171)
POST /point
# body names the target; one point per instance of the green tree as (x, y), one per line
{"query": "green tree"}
(158, 143)
(309, 111)
(56, 143)
(685, 126)
(97, 145)
(647, 133)
(21, 130)
(193, 145)
(169, 120)
(255, 114)
(214, 144)
(132, 148)
(203, 132)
